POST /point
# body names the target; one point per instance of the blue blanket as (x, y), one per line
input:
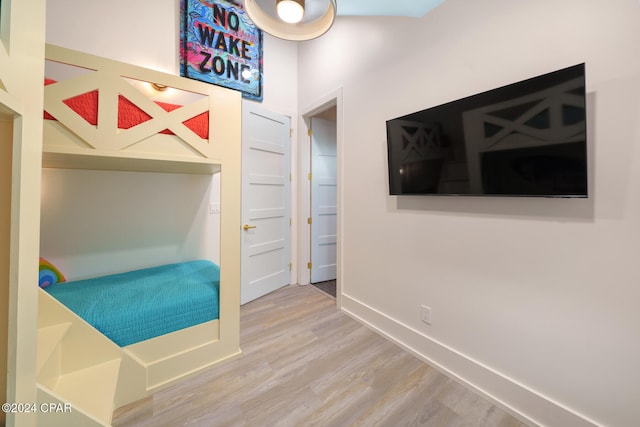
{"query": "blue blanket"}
(142, 304)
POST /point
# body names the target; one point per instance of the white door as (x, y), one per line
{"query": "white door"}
(323, 200)
(265, 202)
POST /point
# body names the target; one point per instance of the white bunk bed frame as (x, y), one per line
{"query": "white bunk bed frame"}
(76, 364)
(22, 28)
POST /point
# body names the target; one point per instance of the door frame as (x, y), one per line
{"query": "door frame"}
(332, 99)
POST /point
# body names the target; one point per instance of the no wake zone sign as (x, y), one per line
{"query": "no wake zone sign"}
(219, 44)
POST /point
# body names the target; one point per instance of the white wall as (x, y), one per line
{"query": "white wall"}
(534, 301)
(147, 35)
(102, 222)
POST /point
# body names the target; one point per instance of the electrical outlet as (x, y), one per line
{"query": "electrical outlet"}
(426, 314)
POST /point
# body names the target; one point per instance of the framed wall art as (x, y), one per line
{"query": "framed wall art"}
(220, 45)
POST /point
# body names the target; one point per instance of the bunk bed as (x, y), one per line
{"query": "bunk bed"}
(98, 135)
(142, 304)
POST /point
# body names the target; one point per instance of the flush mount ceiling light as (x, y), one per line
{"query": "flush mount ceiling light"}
(296, 20)
(290, 11)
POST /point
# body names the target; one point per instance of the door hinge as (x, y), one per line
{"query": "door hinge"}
(309, 221)
(309, 265)
(310, 176)
(310, 132)
(290, 266)
(290, 177)
(290, 222)
(290, 132)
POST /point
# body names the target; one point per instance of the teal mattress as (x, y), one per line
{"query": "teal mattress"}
(142, 304)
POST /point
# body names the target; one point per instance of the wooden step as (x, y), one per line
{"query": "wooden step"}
(48, 339)
(55, 411)
(90, 390)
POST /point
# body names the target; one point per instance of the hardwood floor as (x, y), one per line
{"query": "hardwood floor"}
(304, 363)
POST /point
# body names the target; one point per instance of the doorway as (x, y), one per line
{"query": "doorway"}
(319, 237)
(323, 201)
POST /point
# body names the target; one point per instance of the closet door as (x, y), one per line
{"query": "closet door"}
(265, 202)
(323, 200)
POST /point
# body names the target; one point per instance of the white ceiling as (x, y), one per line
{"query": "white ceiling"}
(412, 8)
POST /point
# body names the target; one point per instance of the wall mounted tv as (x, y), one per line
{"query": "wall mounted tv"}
(525, 139)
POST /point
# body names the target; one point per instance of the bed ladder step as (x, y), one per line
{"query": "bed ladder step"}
(89, 391)
(53, 418)
(48, 339)
(77, 366)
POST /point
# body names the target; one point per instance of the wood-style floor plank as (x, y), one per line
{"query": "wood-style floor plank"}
(304, 363)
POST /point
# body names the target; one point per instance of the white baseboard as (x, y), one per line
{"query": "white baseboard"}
(523, 403)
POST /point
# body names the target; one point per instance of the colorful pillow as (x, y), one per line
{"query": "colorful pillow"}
(49, 274)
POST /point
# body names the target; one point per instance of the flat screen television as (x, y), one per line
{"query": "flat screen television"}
(524, 139)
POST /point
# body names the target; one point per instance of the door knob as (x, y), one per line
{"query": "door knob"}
(247, 227)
